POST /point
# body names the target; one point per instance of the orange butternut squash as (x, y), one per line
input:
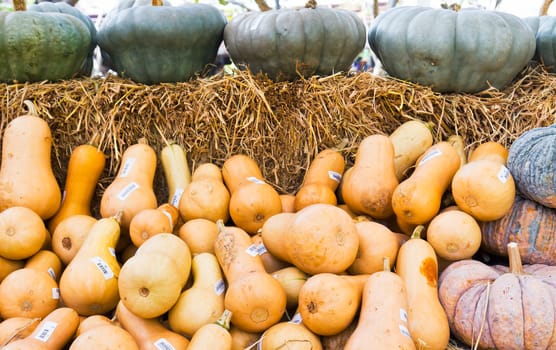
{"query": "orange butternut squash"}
(132, 189)
(26, 145)
(417, 199)
(214, 335)
(84, 169)
(368, 187)
(104, 337)
(410, 140)
(289, 335)
(70, 234)
(15, 328)
(273, 234)
(199, 235)
(241, 339)
(22, 233)
(255, 298)
(288, 202)
(46, 261)
(176, 171)
(8, 266)
(149, 222)
(270, 262)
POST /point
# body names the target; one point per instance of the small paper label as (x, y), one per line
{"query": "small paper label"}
(296, 318)
(255, 180)
(103, 267)
(403, 315)
(503, 174)
(335, 176)
(432, 154)
(126, 168)
(176, 197)
(404, 331)
(220, 287)
(256, 249)
(112, 251)
(46, 330)
(52, 273)
(163, 344)
(56, 293)
(126, 191)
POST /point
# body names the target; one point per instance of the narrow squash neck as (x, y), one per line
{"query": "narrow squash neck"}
(20, 5)
(515, 259)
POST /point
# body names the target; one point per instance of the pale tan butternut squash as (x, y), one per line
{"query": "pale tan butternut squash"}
(410, 140)
(22, 233)
(213, 335)
(176, 171)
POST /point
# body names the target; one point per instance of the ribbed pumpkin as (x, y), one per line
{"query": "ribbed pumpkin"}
(500, 308)
(545, 52)
(286, 43)
(37, 46)
(450, 51)
(532, 163)
(154, 44)
(530, 225)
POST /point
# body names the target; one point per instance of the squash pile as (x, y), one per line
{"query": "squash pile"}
(378, 253)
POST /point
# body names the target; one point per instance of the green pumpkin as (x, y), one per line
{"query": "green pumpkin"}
(62, 7)
(465, 51)
(37, 46)
(288, 43)
(155, 44)
(544, 28)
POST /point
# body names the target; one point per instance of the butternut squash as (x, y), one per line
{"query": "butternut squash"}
(289, 335)
(383, 321)
(255, 298)
(273, 234)
(15, 328)
(252, 200)
(459, 145)
(206, 196)
(213, 335)
(410, 140)
(84, 169)
(132, 189)
(199, 235)
(176, 171)
(151, 281)
(149, 222)
(104, 337)
(288, 202)
(270, 262)
(26, 145)
(490, 150)
(292, 279)
(368, 187)
(8, 266)
(149, 334)
(89, 284)
(321, 179)
(241, 339)
(52, 333)
(417, 266)
(46, 261)
(22, 233)
(417, 199)
(203, 302)
(70, 234)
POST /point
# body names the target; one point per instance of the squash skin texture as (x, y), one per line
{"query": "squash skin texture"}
(463, 51)
(323, 41)
(154, 44)
(545, 52)
(37, 46)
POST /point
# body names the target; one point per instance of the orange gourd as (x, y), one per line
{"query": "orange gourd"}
(54, 332)
(273, 233)
(104, 334)
(252, 200)
(213, 335)
(85, 166)
(8, 266)
(26, 175)
(417, 199)
(289, 335)
(22, 233)
(199, 235)
(417, 266)
(89, 284)
(176, 171)
(70, 234)
(149, 334)
(203, 301)
(383, 322)
(46, 261)
(484, 188)
(255, 298)
(132, 189)
(288, 202)
(15, 328)
(410, 140)
(270, 262)
(321, 179)
(149, 222)
(368, 187)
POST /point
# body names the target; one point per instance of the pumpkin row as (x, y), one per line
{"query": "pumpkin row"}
(153, 42)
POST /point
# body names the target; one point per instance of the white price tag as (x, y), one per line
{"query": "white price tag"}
(56, 293)
(103, 267)
(255, 180)
(503, 174)
(126, 167)
(163, 344)
(176, 197)
(220, 287)
(126, 191)
(432, 154)
(336, 176)
(46, 330)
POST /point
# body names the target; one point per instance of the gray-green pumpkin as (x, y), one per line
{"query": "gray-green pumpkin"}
(465, 51)
(544, 28)
(288, 43)
(63, 7)
(155, 44)
(37, 46)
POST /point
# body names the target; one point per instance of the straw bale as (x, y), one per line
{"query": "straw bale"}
(282, 125)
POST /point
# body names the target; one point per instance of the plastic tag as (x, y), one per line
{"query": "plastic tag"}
(103, 267)
(126, 191)
(163, 344)
(46, 331)
(126, 168)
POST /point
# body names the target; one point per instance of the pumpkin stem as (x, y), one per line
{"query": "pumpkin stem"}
(417, 231)
(118, 216)
(263, 6)
(156, 2)
(20, 5)
(311, 4)
(514, 258)
(224, 320)
(31, 110)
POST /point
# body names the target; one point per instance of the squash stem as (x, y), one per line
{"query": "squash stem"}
(224, 320)
(31, 110)
(263, 6)
(386, 264)
(20, 5)
(156, 2)
(311, 4)
(417, 231)
(514, 259)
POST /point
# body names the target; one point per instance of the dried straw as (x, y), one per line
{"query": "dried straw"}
(282, 125)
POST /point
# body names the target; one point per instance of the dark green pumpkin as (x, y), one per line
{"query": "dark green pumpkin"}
(63, 7)
(288, 43)
(465, 51)
(154, 44)
(36, 46)
(529, 224)
(532, 163)
(544, 28)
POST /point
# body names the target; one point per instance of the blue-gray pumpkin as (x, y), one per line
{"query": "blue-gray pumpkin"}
(37, 46)
(532, 163)
(288, 43)
(544, 28)
(465, 51)
(154, 44)
(63, 7)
